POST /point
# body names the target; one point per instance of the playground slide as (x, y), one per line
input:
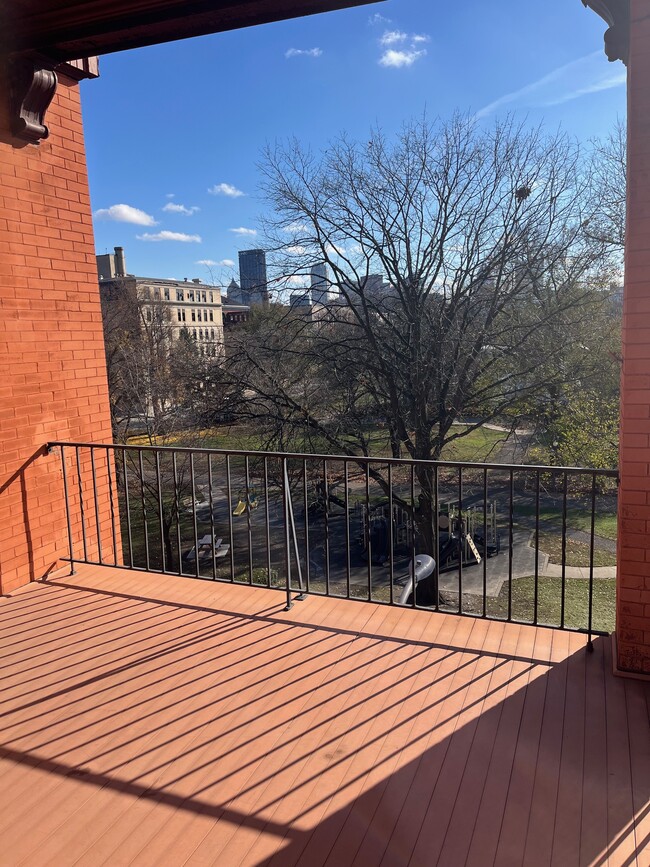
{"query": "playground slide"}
(424, 567)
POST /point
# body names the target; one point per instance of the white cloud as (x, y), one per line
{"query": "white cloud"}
(225, 190)
(397, 59)
(210, 263)
(241, 230)
(588, 74)
(172, 208)
(170, 195)
(391, 37)
(377, 18)
(125, 214)
(401, 49)
(170, 236)
(303, 52)
(296, 250)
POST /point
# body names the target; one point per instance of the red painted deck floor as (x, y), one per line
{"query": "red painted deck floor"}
(158, 720)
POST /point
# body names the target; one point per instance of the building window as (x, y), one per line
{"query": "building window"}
(212, 316)
(148, 314)
(156, 294)
(212, 333)
(193, 315)
(200, 334)
(166, 294)
(179, 294)
(147, 293)
(211, 297)
(194, 333)
(204, 296)
(178, 313)
(190, 294)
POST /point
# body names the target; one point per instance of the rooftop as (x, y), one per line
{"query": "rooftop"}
(183, 721)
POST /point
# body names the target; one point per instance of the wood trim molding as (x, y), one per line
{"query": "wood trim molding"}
(33, 86)
(616, 14)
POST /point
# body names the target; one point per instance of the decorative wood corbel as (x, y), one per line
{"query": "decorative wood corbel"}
(616, 13)
(32, 89)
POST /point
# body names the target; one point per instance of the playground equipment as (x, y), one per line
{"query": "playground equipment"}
(243, 503)
(424, 568)
(456, 530)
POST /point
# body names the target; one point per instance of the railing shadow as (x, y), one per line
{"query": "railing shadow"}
(333, 743)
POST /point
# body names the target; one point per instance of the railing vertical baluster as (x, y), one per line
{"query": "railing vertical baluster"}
(326, 497)
(82, 513)
(143, 501)
(249, 528)
(346, 481)
(111, 451)
(436, 524)
(194, 521)
(127, 505)
(510, 540)
(391, 530)
(462, 525)
(485, 541)
(67, 510)
(565, 490)
(96, 501)
(414, 584)
(536, 596)
(287, 540)
(161, 516)
(212, 527)
(230, 521)
(592, 541)
(369, 524)
(177, 509)
(267, 523)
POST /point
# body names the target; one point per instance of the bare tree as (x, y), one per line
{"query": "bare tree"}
(470, 230)
(608, 173)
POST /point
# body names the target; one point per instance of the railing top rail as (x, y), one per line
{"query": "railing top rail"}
(608, 473)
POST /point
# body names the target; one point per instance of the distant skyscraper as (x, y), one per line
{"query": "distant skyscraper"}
(320, 283)
(252, 277)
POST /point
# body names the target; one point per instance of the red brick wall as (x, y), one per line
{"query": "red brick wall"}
(52, 369)
(633, 594)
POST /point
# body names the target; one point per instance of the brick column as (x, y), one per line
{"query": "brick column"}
(633, 590)
(53, 382)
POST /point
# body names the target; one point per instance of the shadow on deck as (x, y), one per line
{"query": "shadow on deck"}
(149, 719)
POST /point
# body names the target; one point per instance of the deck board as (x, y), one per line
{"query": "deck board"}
(149, 719)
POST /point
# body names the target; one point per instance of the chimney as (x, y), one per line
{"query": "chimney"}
(195, 280)
(120, 262)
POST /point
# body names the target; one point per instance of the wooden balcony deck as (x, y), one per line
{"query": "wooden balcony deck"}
(157, 720)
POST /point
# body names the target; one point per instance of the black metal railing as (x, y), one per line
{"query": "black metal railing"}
(525, 544)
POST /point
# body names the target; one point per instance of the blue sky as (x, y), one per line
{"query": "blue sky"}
(174, 132)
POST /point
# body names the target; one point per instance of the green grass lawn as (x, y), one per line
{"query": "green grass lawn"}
(478, 445)
(605, 523)
(481, 444)
(576, 553)
(549, 602)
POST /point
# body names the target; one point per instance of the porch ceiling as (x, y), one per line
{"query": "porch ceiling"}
(68, 29)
